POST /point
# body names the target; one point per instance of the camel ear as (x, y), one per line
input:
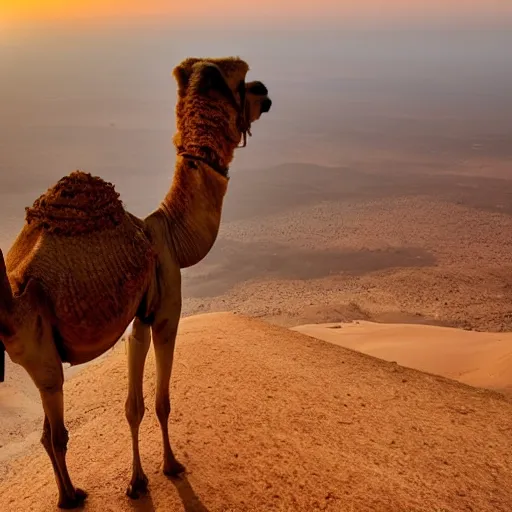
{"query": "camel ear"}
(208, 77)
(182, 74)
(182, 77)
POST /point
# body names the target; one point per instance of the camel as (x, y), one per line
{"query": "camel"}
(83, 268)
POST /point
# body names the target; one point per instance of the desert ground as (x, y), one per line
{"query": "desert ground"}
(345, 345)
(400, 270)
(270, 419)
(371, 241)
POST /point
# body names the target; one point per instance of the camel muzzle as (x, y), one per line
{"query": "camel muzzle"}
(265, 105)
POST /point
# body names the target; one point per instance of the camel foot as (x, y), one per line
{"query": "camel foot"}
(69, 502)
(138, 487)
(173, 468)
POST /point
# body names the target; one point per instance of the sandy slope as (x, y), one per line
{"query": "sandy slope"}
(475, 358)
(269, 419)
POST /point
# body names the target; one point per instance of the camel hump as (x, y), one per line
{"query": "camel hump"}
(77, 204)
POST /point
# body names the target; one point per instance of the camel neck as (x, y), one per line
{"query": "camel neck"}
(192, 210)
(223, 171)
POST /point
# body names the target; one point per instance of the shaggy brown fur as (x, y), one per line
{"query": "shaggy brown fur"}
(77, 204)
(120, 262)
(193, 76)
(233, 68)
(82, 267)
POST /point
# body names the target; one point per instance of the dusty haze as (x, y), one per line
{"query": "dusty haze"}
(385, 164)
(377, 192)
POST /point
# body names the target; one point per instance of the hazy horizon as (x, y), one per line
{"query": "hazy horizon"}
(102, 99)
(371, 209)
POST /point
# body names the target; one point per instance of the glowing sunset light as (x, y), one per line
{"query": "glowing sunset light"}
(12, 11)
(33, 10)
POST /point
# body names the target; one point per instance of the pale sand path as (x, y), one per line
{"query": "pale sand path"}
(476, 358)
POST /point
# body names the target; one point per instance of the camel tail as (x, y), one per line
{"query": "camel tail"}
(6, 298)
(6, 305)
(2, 362)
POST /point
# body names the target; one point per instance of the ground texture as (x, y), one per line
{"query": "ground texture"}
(267, 419)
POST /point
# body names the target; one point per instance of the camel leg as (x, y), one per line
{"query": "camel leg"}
(164, 339)
(42, 362)
(46, 441)
(138, 345)
(55, 441)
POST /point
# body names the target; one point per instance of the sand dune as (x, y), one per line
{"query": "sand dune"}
(475, 358)
(269, 419)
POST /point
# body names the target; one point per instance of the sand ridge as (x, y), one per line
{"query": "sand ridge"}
(267, 419)
(475, 358)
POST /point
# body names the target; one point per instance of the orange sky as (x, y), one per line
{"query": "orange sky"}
(69, 9)
(34, 10)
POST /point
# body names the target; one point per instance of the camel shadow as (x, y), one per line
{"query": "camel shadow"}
(143, 504)
(189, 498)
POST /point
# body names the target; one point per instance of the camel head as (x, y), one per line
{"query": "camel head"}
(216, 107)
